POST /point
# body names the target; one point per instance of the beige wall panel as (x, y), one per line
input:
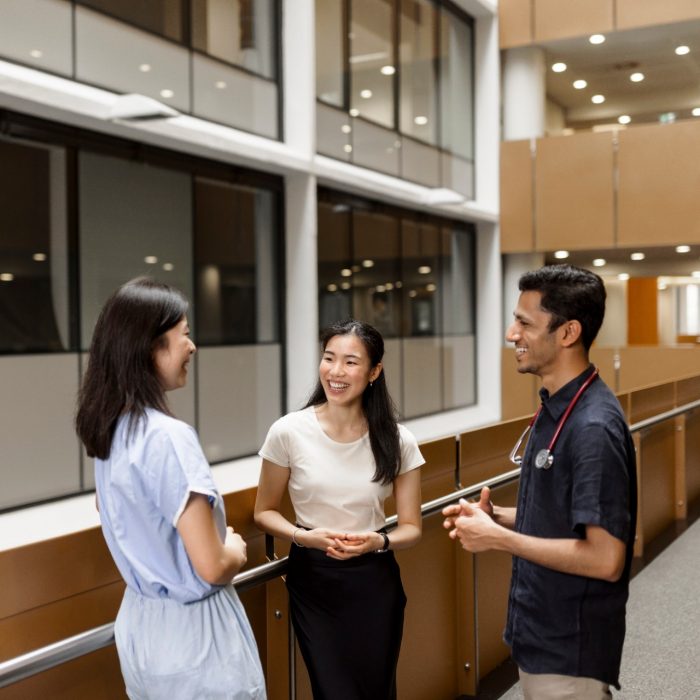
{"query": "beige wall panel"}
(92, 677)
(643, 366)
(427, 667)
(556, 19)
(692, 455)
(493, 570)
(519, 395)
(517, 234)
(604, 360)
(422, 376)
(459, 359)
(657, 505)
(515, 22)
(645, 403)
(574, 192)
(658, 184)
(641, 13)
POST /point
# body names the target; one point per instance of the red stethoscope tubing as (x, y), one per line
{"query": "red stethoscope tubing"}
(569, 408)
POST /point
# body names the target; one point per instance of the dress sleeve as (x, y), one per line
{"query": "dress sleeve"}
(411, 457)
(275, 449)
(177, 468)
(600, 489)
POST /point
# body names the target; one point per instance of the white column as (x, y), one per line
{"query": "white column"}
(524, 93)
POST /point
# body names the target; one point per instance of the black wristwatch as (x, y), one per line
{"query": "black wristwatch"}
(385, 546)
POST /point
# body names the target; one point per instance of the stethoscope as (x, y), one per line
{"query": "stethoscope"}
(545, 457)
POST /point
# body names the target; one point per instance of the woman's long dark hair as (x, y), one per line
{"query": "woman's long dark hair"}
(121, 376)
(377, 405)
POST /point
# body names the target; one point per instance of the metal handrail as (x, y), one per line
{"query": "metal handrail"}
(47, 657)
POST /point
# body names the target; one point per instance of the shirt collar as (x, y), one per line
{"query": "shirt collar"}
(556, 404)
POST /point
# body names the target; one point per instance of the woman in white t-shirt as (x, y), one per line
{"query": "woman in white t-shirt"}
(340, 457)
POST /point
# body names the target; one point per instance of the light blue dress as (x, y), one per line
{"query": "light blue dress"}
(178, 637)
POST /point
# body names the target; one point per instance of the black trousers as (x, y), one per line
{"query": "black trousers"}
(348, 618)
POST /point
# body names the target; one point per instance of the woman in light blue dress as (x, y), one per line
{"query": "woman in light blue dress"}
(181, 631)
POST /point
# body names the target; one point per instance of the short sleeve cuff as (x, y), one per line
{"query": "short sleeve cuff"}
(616, 527)
(211, 497)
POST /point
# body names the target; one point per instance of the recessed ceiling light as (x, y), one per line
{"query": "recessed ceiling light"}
(36, 53)
(637, 77)
(596, 38)
(388, 70)
(389, 286)
(380, 288)
(347, 148)
(167, 93)
(398, 284)
(624, 119)
(365, 94)
(623, 276)
(696, 112)
(430, 287)
(421, 120)
(559, 67)
(599, 262)
(346, 272)
(6, 277)
(561, 254)
(345, 285)
(667, 117)
(424, 270)
(354, 112)
(580, 84)
(346, 128)
(332, 287)
(220, 84)
(145, 67)
(368, 263)
(39, 257)
(150, 260)
(637, 256)
(598, 99)
(682, 50)
(682, 249)
(412, 293)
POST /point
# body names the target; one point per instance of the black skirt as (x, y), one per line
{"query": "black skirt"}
(348, 619)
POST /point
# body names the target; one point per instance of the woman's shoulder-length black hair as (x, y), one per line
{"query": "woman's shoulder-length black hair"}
(121, 377)
(378, 407)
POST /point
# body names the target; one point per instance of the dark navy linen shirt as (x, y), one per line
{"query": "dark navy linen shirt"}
(561, 623)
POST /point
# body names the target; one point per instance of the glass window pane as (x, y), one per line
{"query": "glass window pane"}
(135, 219)
(232, 96)
(34, 288)
(333, 132)
(418, 54)
(376, 271)
(456, 89)
(38, 33)
(162, 17)
(335, 273)
(457, 281)
(242, 32)
(152, 66)
(375, 147)
(236, 263)
(330, 68)
(372, 60)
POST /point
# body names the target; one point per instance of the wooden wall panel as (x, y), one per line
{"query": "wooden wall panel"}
(692, 454)
(574, 206)
(658, 184)
(642, 366)
(516, 223)
(515, 23)
(519, 395)
(641, 13)
(642, 311)
(688, 390)
(645, 403)
(557, 19)
(657, 503)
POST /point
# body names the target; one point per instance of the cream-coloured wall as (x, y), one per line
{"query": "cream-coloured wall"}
(613, 333)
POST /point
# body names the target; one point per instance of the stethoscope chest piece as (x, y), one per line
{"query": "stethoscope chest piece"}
(544, 459)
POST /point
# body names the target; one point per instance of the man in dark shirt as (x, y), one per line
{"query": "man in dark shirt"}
(572, 531)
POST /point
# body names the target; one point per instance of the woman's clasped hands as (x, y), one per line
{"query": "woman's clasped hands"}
(340, 545)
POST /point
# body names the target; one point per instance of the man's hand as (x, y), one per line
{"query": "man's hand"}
(456, 510)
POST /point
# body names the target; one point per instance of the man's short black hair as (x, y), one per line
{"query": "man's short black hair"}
(569, 293)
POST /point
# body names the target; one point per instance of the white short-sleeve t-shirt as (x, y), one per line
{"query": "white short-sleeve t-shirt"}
(330, 484)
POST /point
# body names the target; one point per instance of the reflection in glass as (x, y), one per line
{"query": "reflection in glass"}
(330, 68)
(134, 219)
(235, 260)
(34, 306)
(335, 273)
(162, 17)
(242, 32)
(457, 280)
(421, 276)
(372, 61)
(456, 89)
(418, 55)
